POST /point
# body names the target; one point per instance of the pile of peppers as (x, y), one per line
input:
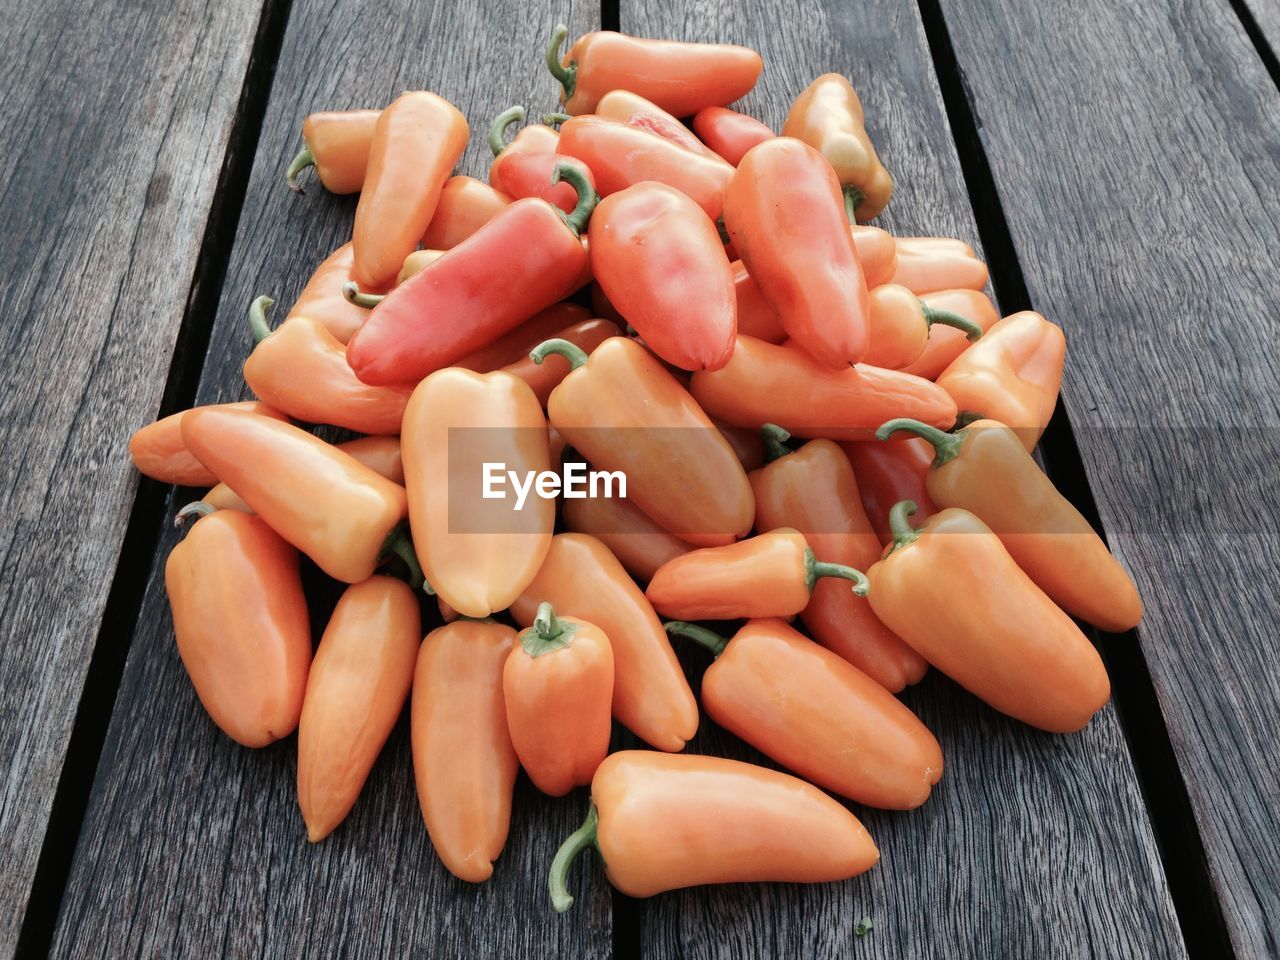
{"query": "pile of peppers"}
(826, 434)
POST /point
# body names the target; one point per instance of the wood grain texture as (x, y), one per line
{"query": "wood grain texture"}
(1032, 845)
(195, 847)
(115, 122)
(1149, 230)
(1266, 14)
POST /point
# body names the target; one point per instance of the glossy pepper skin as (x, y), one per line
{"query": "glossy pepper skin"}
(453, 308)
(359, 681)
(622, 410)
(729, 133)
(901, 324)
(639, 544)
(335, 510)
(416, 144)
(946, 343)
(887, 473)
(525, 167)
(767, 383)
(661, 263)
(477, 554)
(463, 760)
(301, 369)
(986, 470)
(558, 686)
(681, 78)
(663, 822)
(321, 299)
(337, 144)
(544, 377)
(951, 590)
(813, 489)
(929, 264)
(817, 714)
(516, 344)
(627, 107)
(464, 207)
(828, 116)
(1012, 375)
(581, 578)
(784, 211)
(158, 450)
(241, 623)
(877, 252)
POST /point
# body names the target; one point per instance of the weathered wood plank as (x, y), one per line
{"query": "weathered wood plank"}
(1266, 14)
(1137, 156)
(193, 846)
(116, 119)
(1032, 845)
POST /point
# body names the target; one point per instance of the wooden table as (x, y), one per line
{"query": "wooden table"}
(1118, 163)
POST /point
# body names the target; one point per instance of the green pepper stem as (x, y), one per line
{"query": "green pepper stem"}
(699, 635)
(399, 544)
(815, 570)
(561, 348)
(574, 844)
(498, 129)
(351, 293)
(853, 198)
(300, 162)
(900, 526)
(555, 119)
(946, 445)
(197, 508)
(972, 332)
(576, 220)
(258, 318)
(568, 76)
(548, 633)
(775, 441)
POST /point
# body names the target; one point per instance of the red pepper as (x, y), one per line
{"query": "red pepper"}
(516, 344)
(525, 168)
(888, 473)
(729, 133)
(627, 107)
(544, 377)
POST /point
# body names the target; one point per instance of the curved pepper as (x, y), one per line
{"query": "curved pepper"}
(524, 168)
(358, 685)
(813, 489)
(901, 324)
(946, 343)
(729, 133)
(651, 696)
(887, 473)
(544, 377)
(929, 264)
(783, 210)
(660, 261)
(681, 78)
(477, 553)
(464, 207)
(558, 686)
(321, 299)
(453, 308)
(335, 510)
(1012, 375)
(241, 623)
(417, 142)
(769, 575)
(951, 590)
(336, 143)
(624, 412)
(463, 761)
(639, 544)
(627, 107)
(986, 470)
(828, 117)
(159, 452)
(301, 369)
(766, 383)
(817, 714)
(663, 822)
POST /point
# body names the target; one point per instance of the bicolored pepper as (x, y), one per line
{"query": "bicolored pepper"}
(337, 144)
(524, 168)
(627, 107)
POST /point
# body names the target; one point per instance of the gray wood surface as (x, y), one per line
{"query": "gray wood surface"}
(193, 846)
(1032, 845)
(114, 125)
(1150, 230)
(1266, 15)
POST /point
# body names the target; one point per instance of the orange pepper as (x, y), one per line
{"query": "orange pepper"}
(241, 622)
(769, 575)
(336, 143)
(477, 553)
(624, 412)
(816, 714)
(662, 265)
(729, 133)
(901, 324)
(767, 383)
(813, 489)
(986, 470)
(542, 378)
(1012, 375)
(335, 510)
(782, 208)
(663, 822)
(358, 685)
(747, 445)
(877, 252)
(951, 590)
(627, 107)
(828, 117)
(465, 206)
(301, 369)
(946, 343)
(681, 78)
(558, 686)
(463, 760)
(651, 696)
(525, 168)
(159, 452)
(416, 144)
(322, 299)
(887, 473)
(929, 264)
(639, 544)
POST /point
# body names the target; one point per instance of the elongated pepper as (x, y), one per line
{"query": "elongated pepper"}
(639, 544)
(729, 133)
(321, 299)
(929, 264)
(337, 144)
(159, 452)
(945, 343)
(524, 168)
(887, 473)
(464, 207)
(627, 107)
